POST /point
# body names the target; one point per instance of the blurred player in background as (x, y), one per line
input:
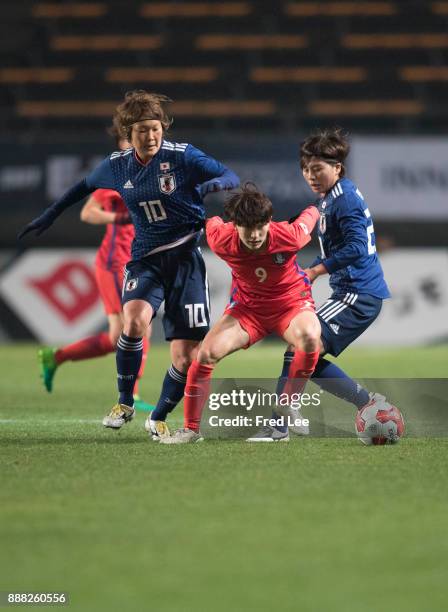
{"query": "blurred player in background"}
(162, 184)
(270, 294)
(348, 255)
(104, 207)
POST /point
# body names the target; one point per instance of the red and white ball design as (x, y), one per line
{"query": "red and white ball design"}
(379, 423)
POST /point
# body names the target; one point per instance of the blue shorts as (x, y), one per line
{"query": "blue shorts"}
(177, 276)
(344, 317)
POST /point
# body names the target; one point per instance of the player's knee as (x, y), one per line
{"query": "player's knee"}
(183, 352)
(135, 326)
(308, 338)
(207, 355)
(312, 339)
(311, 344)
(182, 362)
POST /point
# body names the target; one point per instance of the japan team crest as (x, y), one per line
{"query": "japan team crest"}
(131, 284)
(279, 258)
(167, 183)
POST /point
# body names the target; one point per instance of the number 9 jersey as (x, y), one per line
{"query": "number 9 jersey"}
(269, 288)
(269, 278)
(347, 243)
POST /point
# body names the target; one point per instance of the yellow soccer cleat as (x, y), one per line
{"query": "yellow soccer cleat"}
(118, 416)
(157, 429)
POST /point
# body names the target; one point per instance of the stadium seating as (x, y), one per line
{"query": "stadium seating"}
(374, 64)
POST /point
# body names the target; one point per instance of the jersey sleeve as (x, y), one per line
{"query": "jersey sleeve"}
(300, 229)
(352, 222)
(203, 168)
(101, 177)
(107, 198)
(214, 231)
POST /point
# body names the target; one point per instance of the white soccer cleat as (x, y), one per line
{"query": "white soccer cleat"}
(297, 427)
(376, 399)
(182, 436)
(118, 416)
(157, 429)
(269, 434)
(295, 421)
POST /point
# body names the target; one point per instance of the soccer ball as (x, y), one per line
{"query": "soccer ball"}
(379, 423)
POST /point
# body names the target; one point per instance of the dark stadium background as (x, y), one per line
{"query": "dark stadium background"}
(320, 524)
(248, 80)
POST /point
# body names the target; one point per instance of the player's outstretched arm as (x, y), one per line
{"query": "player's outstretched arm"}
(303, 225)
(218, 234)
(227, 180)
(209, 173)
(50, 214)
(101, 176)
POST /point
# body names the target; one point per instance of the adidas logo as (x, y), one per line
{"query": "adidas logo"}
(334, 327)
(128, 185)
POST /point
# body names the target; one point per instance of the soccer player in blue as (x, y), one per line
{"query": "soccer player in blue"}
(162, 183)
(348, 255)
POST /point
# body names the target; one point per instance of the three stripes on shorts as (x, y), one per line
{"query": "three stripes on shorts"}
(331, 308)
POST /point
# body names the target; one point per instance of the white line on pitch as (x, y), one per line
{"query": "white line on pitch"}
(47, 422)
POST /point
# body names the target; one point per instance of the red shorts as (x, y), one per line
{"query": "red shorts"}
(259, 324)
(109, 285)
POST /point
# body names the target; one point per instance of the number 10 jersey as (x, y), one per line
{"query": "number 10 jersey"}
(162, 196)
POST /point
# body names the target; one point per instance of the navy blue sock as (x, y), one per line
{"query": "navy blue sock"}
(332, 379)
(129, 358)
(172, 392)
(287, 359)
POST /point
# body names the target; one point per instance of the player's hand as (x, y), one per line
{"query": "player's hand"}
(311, 275)
(316, 270)
(210, 187)
(38, 225)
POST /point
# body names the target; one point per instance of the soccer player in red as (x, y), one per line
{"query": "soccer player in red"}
(271, 293)
(104, 207)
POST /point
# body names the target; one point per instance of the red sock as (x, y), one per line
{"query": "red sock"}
(93, 346)
(146, 345)
(196, 393)
(300, 370)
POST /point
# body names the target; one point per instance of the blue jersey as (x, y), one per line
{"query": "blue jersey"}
(347, 242)
(162, 196)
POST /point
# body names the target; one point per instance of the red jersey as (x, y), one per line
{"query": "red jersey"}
(115, 249)
(271, 276)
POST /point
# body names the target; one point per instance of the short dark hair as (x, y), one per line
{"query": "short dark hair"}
(139, 105)
(330, 145)
(249, 207)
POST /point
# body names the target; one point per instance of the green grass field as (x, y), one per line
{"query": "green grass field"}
(121, 523)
